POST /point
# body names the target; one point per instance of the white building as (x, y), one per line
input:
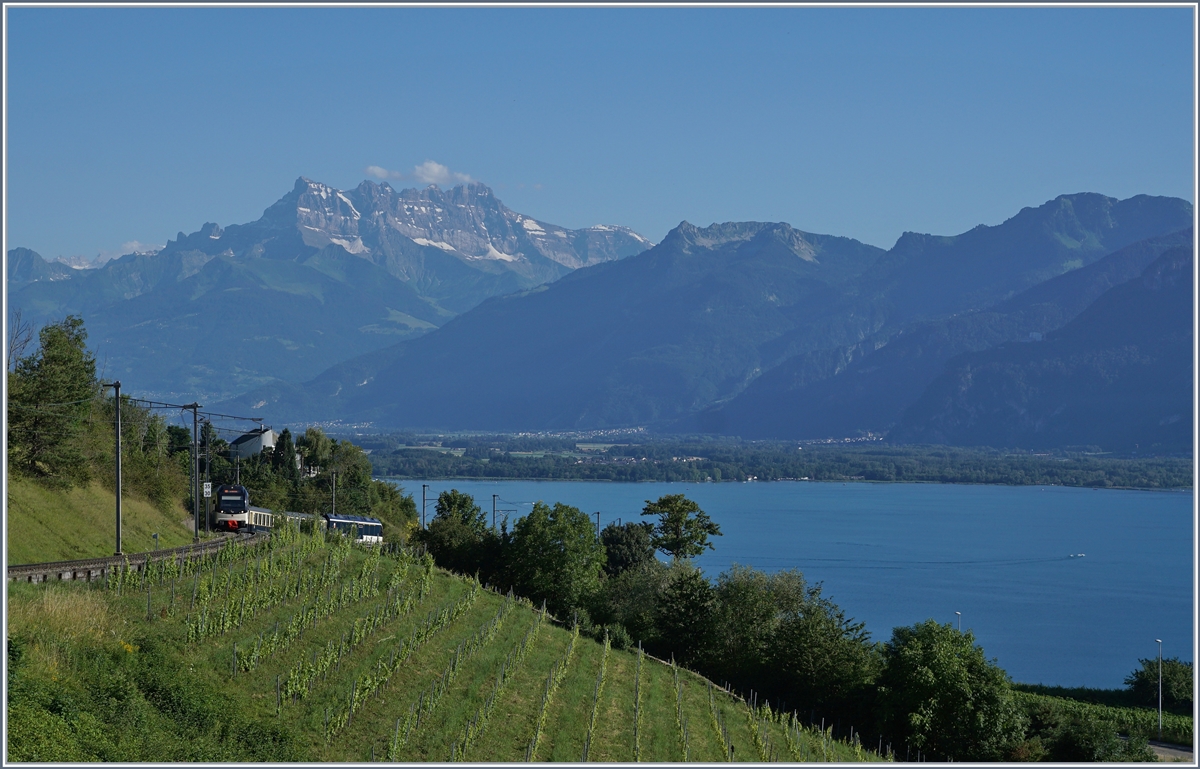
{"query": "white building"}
(253, 442)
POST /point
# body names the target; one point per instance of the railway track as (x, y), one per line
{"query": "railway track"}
(89, 569)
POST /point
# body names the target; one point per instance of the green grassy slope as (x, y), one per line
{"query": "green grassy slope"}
(60, 525)
(344, 655)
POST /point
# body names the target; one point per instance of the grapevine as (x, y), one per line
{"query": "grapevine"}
(557, 673)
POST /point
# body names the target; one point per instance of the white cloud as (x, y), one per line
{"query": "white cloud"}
(379, 172)
(128, 247)
(430, 172)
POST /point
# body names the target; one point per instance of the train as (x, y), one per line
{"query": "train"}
(235, 513)
(233, 508)
(368, 531)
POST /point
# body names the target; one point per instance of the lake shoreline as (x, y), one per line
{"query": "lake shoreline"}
(890, 554)
(476, 479)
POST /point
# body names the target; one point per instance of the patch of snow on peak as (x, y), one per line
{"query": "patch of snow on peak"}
(353, 210)
(492, 253)
(532, 226)
(603, 227)
(355, 247)
(435, 243)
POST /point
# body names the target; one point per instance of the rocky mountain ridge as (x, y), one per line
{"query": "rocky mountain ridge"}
(343, 272)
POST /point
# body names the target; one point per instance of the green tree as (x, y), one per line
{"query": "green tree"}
(631, 597)
(685, 615)
(50, 394)
(683, 528)
(315, 448)
(1177, 682)
(555, 556)
(627, 546)
(283, 458)
(456, 532)
(396, 509)
(939, 694)
(820, 659)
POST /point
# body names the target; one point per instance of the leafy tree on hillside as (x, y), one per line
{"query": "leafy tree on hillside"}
(685, 615)
(822, 659)
(555, 556)
(631, 598)
(939, 694)
(315, 448)
(683, 528)
(283, 458)
(627, 546)
(457, 532)
(1177, 682)
(50, 394)
(396, 509)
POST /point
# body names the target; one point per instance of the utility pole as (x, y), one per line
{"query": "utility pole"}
(334, 474)
(597, 525)
(423, 487)
(195, 473)
(117, 398)
(494, 496)
(207, 466)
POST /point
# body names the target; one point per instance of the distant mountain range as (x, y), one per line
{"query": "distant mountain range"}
(758, 330)
(323, 275)
(1118, 376)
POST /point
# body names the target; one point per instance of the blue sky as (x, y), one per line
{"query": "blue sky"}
(130, 124)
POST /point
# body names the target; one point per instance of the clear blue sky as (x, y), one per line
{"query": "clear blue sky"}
(131, 124)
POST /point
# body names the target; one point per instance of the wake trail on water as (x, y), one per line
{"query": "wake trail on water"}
(877, 563)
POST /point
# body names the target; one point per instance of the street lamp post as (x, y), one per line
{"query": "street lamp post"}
(1159, 641)
(959, 613)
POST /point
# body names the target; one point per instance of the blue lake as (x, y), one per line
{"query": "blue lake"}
(1008, 558)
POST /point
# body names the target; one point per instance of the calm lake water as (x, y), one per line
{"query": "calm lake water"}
(1008, 558)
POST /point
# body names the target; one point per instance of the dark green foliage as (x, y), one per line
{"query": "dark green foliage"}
(50, 395)
(458, 536)
(733, 460)
(1054, 733)
(685, 614)
(631, 599)
(627, 546)
(555, 557)
(940, 694)
(283, 459)
(397, 510)
(1178, 683)
(1076, 739)
(683, 529)
(777, 635)
(61, 429)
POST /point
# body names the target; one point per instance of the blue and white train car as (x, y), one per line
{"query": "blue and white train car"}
(233, 508)
(369, 530)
